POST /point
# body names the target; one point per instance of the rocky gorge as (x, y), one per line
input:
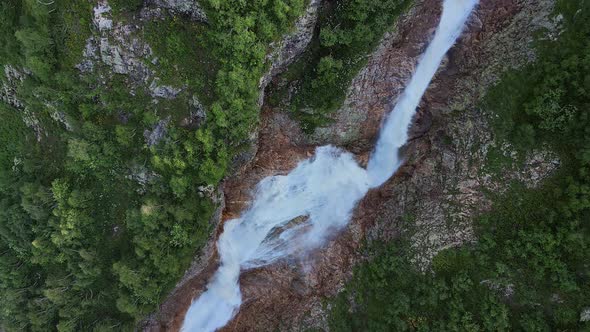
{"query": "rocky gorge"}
(148, 151)
(441, 186)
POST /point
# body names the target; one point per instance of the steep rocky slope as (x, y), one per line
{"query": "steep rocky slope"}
(439, 189)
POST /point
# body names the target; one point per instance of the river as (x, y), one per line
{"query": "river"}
(295, 213)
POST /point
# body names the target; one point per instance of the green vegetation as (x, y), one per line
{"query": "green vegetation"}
(121, 6)
(95, 226)
(348, 30)
(529, 270)
(241, 33)
(182, 55)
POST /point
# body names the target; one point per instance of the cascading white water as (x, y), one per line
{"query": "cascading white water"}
(295, 213)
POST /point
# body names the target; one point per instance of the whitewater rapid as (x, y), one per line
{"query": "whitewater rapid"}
(295, 213)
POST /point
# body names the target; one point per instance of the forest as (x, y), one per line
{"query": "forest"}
(83, 245)
(86, 246)
(529, 270)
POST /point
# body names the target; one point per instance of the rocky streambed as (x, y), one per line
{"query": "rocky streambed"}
(439, 189)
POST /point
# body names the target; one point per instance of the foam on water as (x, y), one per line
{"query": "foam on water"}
(295, 213)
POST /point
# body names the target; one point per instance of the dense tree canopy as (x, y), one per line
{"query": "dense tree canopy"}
(84, 245)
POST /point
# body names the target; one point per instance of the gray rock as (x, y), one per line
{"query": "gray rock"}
(163, 91)
(197, 115)
(208, 191)
(151, 13)
(13, 77)
(123, 117)
(90, 56)
(189, 8)
(31, 121)
(585, 315)
(101, 18)
(59, 117)
(86, 66)
(142, 176)
(119, 66)
(154, 136)
(505, 290)
(538, 165)
(292, 45)
(118, 47)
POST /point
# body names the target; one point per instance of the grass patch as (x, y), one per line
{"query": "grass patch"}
(183, 55)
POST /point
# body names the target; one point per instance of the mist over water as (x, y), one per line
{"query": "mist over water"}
(295, 213)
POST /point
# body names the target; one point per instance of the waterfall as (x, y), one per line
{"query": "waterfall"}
(294, 213)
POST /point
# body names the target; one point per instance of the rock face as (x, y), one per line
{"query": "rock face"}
(197, 115)
(189, 8)
(154, 136)
(13, 77)
(163, 91)
(286, 51)
(117, 47)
